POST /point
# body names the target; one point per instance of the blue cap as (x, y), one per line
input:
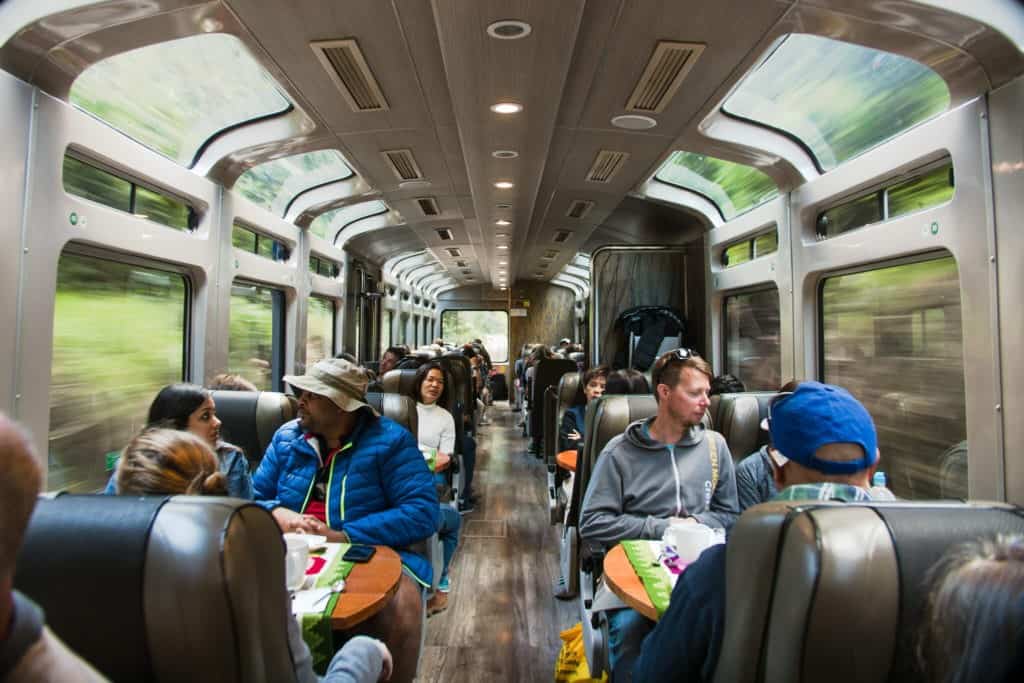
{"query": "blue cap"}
(818, 414)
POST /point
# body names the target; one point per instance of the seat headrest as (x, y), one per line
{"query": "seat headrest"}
(157, 588)
(608, 416)
(834, 591)
(570, 391)
(737, 417)
(397, 407)
(401, 381)
(250, 418)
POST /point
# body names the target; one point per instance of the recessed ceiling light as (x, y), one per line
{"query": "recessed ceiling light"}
(504, 184)
(502, 246)
(406, 184)
(502, 263)
(509, 29)
(501, 234)
(502, 221)
(504, 154)
(506, 107)
(633, 122)
(503, 206)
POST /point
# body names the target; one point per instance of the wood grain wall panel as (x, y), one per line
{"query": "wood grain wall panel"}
(548, 319)
(624, 279)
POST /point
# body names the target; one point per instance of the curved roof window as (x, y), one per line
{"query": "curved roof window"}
(275, 184)
(328, 224)
(174, 96)
(837, 99)
(733, 188)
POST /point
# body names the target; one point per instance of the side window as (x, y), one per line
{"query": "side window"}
(119, 336)
(893, 337)
(319, 329)
(752, 351)
(491, 327)
(247, 239)
(256, 338)
(385, 333)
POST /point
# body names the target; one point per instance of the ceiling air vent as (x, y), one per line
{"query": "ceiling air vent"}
(454, 252)
(461, 264)
(444, 233)
(347, 67)
(550, 253)
(579, 209)
(561, 236)
(428, 205)
(466, 272)
(669, 65)
(404, 165)
(606, 165)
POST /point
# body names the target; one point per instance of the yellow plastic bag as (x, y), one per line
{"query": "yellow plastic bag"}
(571, 666)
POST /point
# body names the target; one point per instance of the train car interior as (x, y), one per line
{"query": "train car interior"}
(480, 216)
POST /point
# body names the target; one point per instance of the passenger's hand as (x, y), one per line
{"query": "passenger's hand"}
(574, 436)
(291, 521)
(387, 663)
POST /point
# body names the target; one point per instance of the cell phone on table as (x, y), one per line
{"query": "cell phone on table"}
(359, 553)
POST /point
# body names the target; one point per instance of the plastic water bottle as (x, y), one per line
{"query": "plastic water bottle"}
(879, 479)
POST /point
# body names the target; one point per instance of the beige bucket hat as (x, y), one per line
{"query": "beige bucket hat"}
(342, 382)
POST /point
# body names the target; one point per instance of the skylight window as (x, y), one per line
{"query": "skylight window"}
(174, 96)
(839, 100)
(328, 225)
(733, 188)
(275, 184)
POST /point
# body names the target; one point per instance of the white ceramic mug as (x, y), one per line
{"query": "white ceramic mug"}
(689, 539)
(295, 560)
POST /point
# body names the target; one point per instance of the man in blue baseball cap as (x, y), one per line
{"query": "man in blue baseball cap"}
(824, 448)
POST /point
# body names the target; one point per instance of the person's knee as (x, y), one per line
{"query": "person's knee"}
(407, 605)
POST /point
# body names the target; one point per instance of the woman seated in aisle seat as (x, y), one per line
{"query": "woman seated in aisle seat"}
(190, 408)
(170, 462)
(573, 423)
(437, 436)
(973, 625)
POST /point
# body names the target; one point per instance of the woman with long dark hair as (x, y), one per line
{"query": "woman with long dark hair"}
(190, 408)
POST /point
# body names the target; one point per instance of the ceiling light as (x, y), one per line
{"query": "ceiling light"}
(509, 29)
(504, 154)
(502, 263)
(503, 206)
(506, 107)
(502, 221)
(502, 246)
(633, 122)
(501, 234)
(504, 184)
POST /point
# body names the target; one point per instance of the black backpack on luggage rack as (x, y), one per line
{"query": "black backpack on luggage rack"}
(651, 325)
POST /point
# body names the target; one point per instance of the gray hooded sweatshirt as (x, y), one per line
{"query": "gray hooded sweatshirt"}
(638, 483)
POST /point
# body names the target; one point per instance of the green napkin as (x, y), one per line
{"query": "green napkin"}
(316, 626)
(652, 575)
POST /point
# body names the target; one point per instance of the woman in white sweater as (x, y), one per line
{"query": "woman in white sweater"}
(437, 433)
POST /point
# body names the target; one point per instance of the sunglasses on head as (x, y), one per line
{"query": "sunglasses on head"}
(680, 354)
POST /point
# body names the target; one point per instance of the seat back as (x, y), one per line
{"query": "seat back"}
(462, 373)
(547, 373)
(401, 381)
(606, 418)
(835, 591)
(250, 418)
(737, 417)
(398, 407)
(565, 394)
(162, 588)
(551, 425)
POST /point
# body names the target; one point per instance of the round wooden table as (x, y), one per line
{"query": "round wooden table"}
(625, 583)
(567, 459)
(368, 588)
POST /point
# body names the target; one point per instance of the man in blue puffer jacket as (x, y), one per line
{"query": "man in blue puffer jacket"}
(342, 471)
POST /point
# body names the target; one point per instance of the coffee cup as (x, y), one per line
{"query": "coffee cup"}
(296, 558)
(689, 540)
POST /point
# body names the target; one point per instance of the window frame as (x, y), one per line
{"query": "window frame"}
(278, 328)
(238, 224)
(759, 288)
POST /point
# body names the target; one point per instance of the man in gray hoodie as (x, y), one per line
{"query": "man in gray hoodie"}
(664, 470)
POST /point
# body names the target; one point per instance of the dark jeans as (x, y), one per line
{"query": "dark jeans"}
(468, 465)
(449, 535)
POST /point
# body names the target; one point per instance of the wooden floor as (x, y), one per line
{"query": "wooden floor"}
(502, 623)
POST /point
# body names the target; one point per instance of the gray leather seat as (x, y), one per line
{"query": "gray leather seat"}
(738, 417)
(548, 372)
(398, 407)
(162, 589)
(557, 399)
(250, 419)
(834, 591)
(399, 382)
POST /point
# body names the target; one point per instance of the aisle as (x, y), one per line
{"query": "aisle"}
(502, 622)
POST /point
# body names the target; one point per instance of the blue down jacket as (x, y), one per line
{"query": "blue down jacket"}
(380, 491)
